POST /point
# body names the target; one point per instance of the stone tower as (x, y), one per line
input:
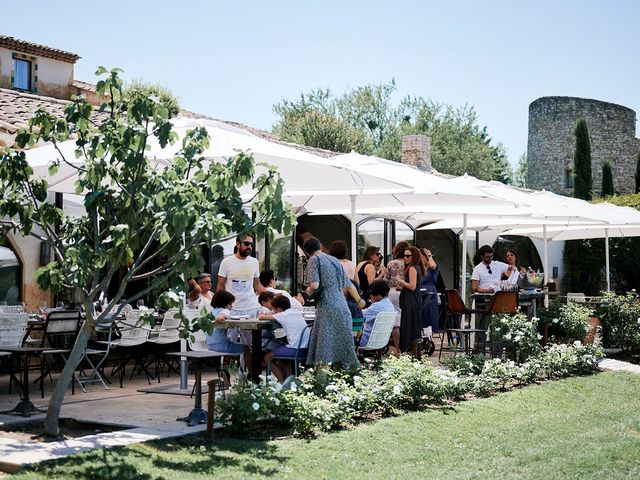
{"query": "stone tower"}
(612, 129)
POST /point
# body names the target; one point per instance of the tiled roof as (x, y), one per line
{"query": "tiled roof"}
(16, 108)
(23, 46)
(89, 87)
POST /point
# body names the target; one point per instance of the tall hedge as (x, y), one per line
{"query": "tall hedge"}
(607, 180)
(583, 182)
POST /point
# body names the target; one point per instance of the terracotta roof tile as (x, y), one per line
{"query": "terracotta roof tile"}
(35, 49)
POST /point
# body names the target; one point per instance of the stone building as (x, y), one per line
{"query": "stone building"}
(551, 144)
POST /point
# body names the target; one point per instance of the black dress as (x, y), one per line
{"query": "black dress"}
(410, 313)
(364, 281)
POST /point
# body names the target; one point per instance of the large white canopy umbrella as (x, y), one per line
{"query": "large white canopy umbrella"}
(433, 196)
(304, 173)
(622, 222)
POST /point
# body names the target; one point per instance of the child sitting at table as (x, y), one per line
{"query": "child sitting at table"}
(271, 339)
(380, 303)
(218, 340)
(296, 329)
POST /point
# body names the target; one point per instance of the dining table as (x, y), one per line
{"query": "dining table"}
(256, 326)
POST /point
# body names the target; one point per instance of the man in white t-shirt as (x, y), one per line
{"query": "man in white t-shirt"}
(486, 275)
(268, 281)
(239, 274)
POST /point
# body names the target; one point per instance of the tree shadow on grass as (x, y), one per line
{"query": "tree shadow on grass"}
(224, 452)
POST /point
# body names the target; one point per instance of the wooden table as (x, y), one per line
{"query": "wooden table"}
(198, 414)
(25, 407)
(256, 326)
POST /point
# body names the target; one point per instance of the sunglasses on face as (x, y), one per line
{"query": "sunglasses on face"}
(407, 256)
(247, 244)
(379, 254)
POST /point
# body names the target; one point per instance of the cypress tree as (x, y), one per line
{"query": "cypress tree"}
(607, 180)
(583, 183)
(638, 174)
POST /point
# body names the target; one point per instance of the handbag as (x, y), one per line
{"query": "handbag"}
(317, 293)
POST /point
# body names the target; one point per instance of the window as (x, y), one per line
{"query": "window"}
(10, 277)
(22, 74)
(568, 179)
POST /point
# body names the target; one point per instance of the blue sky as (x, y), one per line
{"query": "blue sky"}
(235, 59)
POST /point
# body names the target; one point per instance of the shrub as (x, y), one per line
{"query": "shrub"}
(620, 316)
(567, 321)
(518, 333)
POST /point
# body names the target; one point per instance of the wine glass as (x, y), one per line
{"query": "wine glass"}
(140, 303)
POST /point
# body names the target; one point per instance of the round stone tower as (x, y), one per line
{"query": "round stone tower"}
(551, 144)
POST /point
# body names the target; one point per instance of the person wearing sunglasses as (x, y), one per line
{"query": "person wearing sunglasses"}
(366, 270)
(410, 302)
(200, 294)
(486, 275)
(239, 274)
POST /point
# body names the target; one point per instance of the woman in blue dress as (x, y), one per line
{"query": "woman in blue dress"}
(331, 340)
(429, 292)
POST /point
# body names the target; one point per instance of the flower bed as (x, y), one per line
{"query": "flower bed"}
(327, 399)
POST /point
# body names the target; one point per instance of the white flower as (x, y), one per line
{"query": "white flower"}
(397, 389)
(293, 387)
(255, 406)
(276, 401)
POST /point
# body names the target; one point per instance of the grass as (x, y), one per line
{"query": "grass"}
(585, 427)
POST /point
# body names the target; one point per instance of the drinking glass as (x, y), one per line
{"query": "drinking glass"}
(139, 303)
(60, 304)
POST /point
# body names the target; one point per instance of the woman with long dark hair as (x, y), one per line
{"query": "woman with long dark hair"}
(410, 303)
(428, 291)
(367, 269)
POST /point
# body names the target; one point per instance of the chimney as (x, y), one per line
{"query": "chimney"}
(416, 151)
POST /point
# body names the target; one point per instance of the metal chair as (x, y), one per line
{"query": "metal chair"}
(133, 335)
(60, 332)
(167, 333)
(300, 354)
(459, 339)
(96, 357)
(576, 297)
(13, 327)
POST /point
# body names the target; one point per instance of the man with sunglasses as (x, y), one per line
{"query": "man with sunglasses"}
(486, 275)
(239, 275)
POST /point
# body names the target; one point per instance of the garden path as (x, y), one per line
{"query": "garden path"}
(611, 364)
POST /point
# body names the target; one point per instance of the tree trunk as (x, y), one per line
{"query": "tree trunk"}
(51, 427)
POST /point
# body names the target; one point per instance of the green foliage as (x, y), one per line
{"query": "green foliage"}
(518, 333)
(584, 265)
(140, 90)
(142, 223)
(620, 316)
(607, 180)
(583, 182)
(520, 175)
(328, 399)
(372, 124)
(567, 321)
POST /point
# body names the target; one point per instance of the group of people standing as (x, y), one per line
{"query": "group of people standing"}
(369, 284)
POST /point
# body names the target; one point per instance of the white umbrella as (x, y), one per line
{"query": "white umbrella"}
(433, 196)
(303, 172)
(623, 222)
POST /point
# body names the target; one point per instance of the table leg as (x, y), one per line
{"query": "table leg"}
(197, 415)
(256, 355)
(25, 407)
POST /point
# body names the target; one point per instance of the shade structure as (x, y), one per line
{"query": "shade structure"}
(304, 173)
(622, 222)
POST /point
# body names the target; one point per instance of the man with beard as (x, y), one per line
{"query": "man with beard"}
(239, 274)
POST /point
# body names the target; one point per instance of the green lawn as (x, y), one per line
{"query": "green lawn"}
(587, 427)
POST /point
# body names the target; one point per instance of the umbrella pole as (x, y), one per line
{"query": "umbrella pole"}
(606, 257)
(354, 244)
(463, 283)
(546, 257)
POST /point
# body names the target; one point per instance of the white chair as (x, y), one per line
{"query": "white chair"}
(11, 309)
(576, 297)
(133, 335)
(13, 327)
(166, 334)
(380, 334)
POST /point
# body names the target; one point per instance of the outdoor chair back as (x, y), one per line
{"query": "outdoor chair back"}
(504, 302)
(11, 309)
(299, 356)
(169, 330)
(12, 329)
(576, 297)
(381, 331)
(132, 330)
(61, 329)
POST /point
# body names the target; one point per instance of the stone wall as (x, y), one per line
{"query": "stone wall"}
(551, 145)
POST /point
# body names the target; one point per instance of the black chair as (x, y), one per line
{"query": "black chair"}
(60, 331)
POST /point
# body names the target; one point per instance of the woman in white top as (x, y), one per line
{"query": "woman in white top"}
(516, 276)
